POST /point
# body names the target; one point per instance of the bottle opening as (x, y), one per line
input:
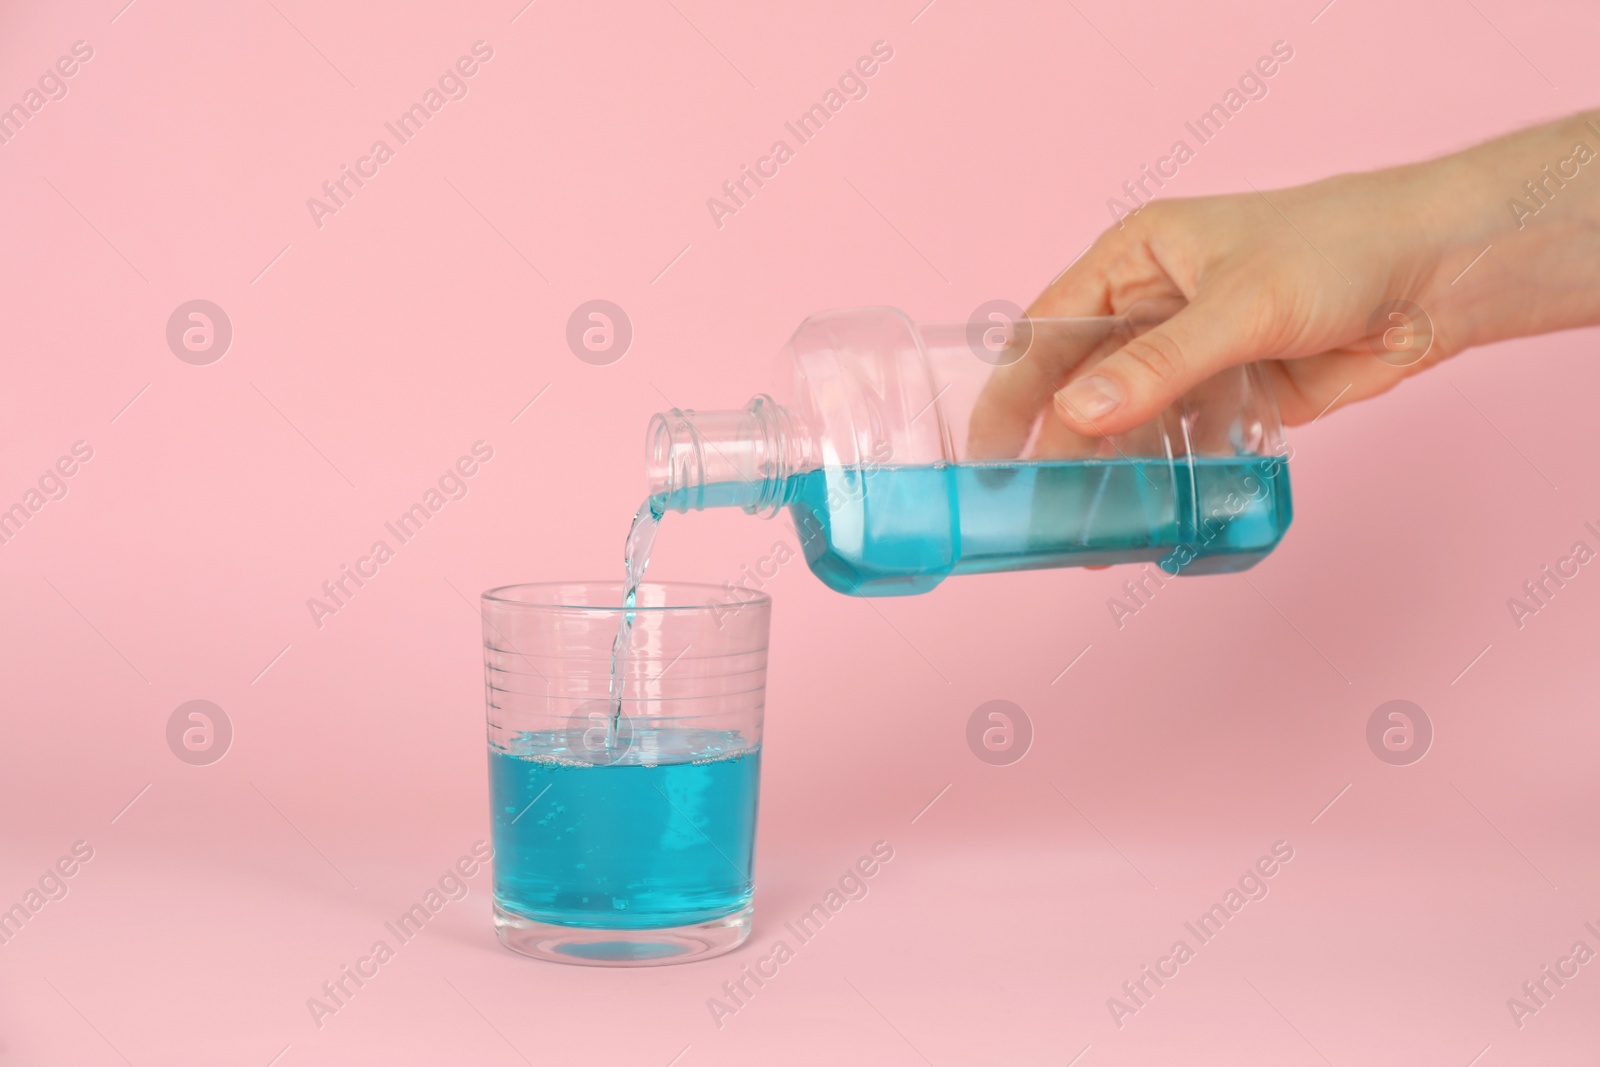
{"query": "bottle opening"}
(724, 458)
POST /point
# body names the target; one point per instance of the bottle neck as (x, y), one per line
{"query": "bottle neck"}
(740, 458)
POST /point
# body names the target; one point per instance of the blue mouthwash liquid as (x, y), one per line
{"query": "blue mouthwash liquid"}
(635, 557)
(664, 836)
(891, 531)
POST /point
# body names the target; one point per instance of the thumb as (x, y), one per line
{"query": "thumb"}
(1145, 376)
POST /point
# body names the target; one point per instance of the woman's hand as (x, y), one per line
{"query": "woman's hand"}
(1307, 280)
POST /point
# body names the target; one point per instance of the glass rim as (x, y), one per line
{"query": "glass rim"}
(728, 598)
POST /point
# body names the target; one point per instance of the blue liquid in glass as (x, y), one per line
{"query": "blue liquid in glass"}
(895, 531)
(664, 836)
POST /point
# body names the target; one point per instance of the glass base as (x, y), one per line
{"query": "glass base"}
(622, 948)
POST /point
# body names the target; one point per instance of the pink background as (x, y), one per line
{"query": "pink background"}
(370, 353)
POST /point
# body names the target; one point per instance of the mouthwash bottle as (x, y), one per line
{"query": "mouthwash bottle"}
(907, 453)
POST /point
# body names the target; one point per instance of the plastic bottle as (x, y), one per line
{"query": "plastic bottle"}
(908, 453)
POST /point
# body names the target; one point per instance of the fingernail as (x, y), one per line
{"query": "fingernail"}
(1090, 398)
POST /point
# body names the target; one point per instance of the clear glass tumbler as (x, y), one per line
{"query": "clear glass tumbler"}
(624, 830)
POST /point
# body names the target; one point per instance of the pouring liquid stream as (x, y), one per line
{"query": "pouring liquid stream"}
(635, 557)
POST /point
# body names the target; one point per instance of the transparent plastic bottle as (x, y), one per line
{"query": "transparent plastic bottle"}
(908, 453)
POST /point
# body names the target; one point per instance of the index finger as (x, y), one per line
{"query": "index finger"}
(1012, 399)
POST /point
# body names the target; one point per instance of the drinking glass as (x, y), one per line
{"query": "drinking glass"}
(624, 828)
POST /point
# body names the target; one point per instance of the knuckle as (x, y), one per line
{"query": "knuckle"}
(1157, 355)
(1158, 211)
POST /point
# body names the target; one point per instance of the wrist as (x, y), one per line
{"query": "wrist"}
(1515, 225)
